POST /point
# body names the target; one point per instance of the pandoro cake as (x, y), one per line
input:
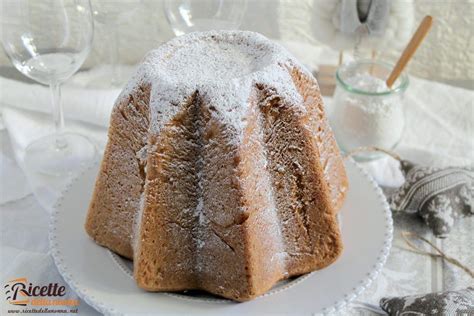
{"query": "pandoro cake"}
(221, 172)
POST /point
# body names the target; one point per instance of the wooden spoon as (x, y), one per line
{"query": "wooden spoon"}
(411, 48)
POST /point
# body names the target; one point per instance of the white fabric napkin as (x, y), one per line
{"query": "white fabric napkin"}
(92, 105)
(26, 126)
(26, 114)
(35, 125)
(13, 183)
(24, 250)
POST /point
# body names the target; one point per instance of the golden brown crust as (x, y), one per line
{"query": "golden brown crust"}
(120, 180)
(322, 136)
(206, 218)
(310, 230)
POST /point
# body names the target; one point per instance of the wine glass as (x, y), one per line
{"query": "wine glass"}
(187, 16)
(109, 13)
(48, 41)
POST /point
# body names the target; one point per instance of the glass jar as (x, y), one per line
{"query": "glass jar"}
(365, 112)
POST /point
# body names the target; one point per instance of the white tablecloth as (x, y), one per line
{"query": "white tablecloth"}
(440, 130)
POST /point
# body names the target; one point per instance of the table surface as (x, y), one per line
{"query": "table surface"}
(24, 223)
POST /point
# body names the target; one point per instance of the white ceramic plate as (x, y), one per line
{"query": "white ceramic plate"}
(104, 280)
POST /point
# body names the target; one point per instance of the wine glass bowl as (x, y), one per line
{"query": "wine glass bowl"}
(185, 16)
(109, 11)
(111, 14)
(45, 40)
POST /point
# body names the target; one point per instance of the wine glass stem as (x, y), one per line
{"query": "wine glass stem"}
(114, 55)
(58, 115)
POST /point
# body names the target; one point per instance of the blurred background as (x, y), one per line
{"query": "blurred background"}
(445, 56)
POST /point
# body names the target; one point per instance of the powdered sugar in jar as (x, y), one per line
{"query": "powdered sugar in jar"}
(366, 112)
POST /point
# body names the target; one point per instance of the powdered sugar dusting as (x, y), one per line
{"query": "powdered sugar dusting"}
(203, 61)
(214, 76)
(269, 217)
(222, 67)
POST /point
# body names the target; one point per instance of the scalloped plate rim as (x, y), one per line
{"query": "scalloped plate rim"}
(114, 308)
